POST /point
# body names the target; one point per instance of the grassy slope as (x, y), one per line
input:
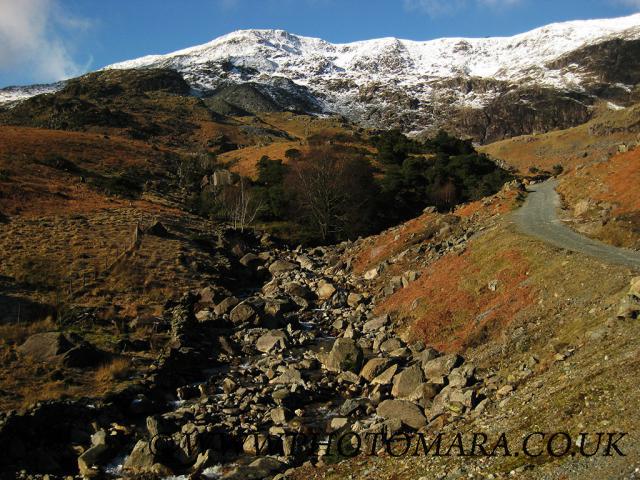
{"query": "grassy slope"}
(65, 241)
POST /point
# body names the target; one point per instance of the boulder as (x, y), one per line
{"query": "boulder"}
(353, 406)
(407, 382)
(441, 366)
(354, 299)
(280, 415)
(462, 376)
(255, 444)
(374, 367)
(629, 308)
(305, 262)
(242, 313)
(45, 346)
(263, 467)
(296, 290)
(226, 305)
(630, 304)
(325, 290)
(390, 345)
(205, 315)
(376, 324)
(206, 459)
(229, 386)
(408, 413)
(280, 266)
(289, 376)
(345, 355)
(371, 274)
(386, 377)
(142, 458)
(94, 455)
(275, 307)
(426, 355)
(84, 355)
(275, 340)
(250, 260)
(56, 347)
(634, 289)
(157, 229)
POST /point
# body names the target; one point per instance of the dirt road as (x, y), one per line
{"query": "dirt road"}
(538, 217)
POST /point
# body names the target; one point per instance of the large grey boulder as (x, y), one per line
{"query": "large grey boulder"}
(374, 367)
(288, 377)
(295, 289)
(345, 356)
(407, 382)
(325, 290)
(263, 467)
(141, 459)
(250, 260)
(386, 377)
(45, 346)
(408, 413)
(376, 324)
(630, 304)
(94, 456)
(56, 347)
(441, 366)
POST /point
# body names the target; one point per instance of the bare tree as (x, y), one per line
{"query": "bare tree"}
(333, 191)
(239, 205)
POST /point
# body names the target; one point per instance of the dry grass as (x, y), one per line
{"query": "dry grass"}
(17, 333)
(425, 227)
(609, 185)
(118, 369)
(451, 305)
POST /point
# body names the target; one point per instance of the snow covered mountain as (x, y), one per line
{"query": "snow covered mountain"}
(546, 78)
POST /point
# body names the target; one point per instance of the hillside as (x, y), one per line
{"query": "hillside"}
(215, 267)
(612, 129)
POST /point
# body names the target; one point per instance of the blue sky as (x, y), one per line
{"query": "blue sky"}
(47, 40)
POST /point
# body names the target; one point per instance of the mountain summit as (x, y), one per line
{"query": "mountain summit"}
(547, 78)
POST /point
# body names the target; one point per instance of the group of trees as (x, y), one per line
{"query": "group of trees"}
(332, 192)
(443, 171)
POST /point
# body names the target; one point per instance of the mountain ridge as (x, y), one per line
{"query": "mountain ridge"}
(544, 79)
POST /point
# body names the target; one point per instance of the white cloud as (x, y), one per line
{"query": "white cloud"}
(436, 8)
(31, 39)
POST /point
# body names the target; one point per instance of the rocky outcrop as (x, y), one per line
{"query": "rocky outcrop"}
(630, 304)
